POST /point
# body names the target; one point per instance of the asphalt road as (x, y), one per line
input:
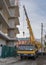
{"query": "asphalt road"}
(38, 61)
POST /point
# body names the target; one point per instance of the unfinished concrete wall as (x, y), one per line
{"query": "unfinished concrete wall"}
(13, 21)
(9, 19)
(2, 42)
(4, 14)
(4, 10)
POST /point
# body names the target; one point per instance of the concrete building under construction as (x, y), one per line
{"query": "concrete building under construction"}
(9, 19)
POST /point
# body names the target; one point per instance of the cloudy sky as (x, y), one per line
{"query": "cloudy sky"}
(36, 10)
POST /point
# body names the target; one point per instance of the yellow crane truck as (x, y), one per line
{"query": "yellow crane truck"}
(32, 47)
(27, 50)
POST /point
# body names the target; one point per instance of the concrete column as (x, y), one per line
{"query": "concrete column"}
(13, 21)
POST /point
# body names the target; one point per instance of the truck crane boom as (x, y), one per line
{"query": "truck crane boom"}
(31, 38)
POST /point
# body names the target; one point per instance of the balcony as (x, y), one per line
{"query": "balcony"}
(14, 11)
(3, 5)
(7, 2)
(4, 10)
(5, 37)
(13, 22)
(12, 32)
(14, 2)
(3, 19)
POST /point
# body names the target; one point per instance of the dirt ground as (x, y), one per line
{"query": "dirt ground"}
(41, 60)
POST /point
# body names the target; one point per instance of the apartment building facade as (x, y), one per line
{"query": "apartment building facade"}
(9, 19)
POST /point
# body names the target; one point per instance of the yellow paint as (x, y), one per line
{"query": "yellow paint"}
(26, 52)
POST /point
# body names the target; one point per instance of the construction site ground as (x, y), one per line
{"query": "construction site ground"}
(41, 60)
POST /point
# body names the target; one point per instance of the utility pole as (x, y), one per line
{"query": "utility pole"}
(42, 37)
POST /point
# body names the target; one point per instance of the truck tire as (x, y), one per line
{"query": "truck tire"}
(35, 57)
(21, 57)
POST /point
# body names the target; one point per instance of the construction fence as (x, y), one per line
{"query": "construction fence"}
(6, 51)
